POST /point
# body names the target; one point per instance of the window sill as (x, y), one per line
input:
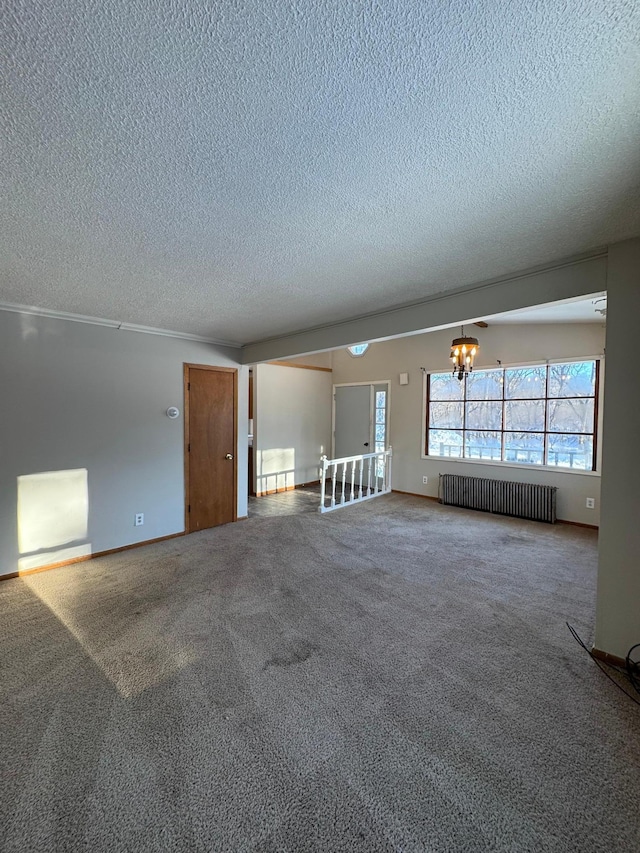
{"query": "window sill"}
(518, 465)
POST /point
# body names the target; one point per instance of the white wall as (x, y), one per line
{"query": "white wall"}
(85, 398)
(509, 343)
(618, 608)
(292, 425)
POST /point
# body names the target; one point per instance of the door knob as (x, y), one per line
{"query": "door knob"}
(366, 444)
(229, 456)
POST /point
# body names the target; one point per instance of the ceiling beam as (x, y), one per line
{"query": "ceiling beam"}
(525, 290)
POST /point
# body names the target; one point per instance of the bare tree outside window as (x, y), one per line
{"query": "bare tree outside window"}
(537, 415)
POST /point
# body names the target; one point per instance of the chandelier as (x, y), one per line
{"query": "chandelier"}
(463, 351)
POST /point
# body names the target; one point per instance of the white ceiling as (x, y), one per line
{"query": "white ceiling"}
(568, 311)
(242, 170)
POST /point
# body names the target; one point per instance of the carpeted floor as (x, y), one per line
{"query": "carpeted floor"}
(392, 676)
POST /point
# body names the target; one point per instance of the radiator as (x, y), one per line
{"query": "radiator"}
(523, 500)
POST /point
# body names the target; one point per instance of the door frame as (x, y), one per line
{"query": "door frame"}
(386, 382)
(187, 366)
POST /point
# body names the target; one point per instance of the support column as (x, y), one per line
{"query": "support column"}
(618, 600)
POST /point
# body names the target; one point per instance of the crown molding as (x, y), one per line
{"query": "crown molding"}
(113, 324)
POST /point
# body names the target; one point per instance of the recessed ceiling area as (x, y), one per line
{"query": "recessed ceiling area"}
(586, 310)
(583, 310)
(240, 171)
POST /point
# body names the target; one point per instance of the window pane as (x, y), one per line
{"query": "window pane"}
(571, 415)
(524, 447)
(448, 415)
(572, 380)
(525, 382)
(381, 397)
(524, 415)
(484, 385)
(380, 416)
(443, 442)
(380, 432)
(444, 386)
(482, 445)
(484, 415)
(570, 451)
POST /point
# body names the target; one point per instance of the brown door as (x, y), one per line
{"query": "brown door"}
(211, 438)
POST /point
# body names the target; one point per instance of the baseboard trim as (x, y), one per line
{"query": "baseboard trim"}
(578, 524)
(287, 488)
(87, 557)
(436, 498)
(276, 491)
(415, 495)
(606, 657)
(49, 566)
(138, 544)
(242, 518)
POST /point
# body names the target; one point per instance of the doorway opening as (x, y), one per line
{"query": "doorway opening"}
(360, 418)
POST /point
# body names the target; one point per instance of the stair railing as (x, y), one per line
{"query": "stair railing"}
(353, 479)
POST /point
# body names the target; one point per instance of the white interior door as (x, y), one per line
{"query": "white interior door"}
(361, 422)
(353, 422)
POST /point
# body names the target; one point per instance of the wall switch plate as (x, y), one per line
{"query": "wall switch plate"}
(404, 378)
(425, 480)
(591, 503)
(139, 521)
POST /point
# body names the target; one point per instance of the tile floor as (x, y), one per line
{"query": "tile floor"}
(295, 502)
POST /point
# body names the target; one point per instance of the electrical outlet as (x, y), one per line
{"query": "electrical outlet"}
(139, 521)
(425, 480)
(591, 503)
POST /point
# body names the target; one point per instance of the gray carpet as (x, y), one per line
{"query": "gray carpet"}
(392, 676)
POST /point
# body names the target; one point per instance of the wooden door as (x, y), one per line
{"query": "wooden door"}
(211, 403)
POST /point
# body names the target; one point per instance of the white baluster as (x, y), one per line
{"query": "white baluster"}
(344, 479)
(360, 466)
(353, 479)
(323, 475)
(369, 476)
(333, 483)
(389, 458)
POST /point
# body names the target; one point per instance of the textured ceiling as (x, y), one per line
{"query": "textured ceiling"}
(244, 169)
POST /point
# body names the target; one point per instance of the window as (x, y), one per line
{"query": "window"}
(539, 415)
(380, 428)
(357, 350)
